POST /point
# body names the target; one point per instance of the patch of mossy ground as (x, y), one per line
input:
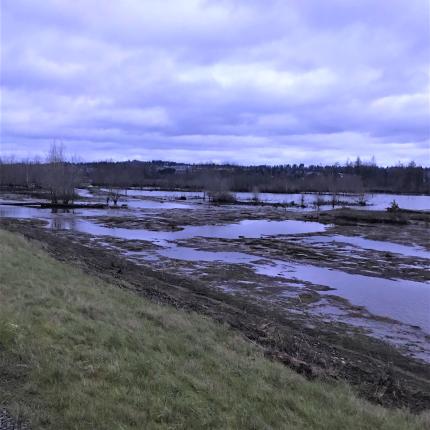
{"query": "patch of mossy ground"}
(79, 353)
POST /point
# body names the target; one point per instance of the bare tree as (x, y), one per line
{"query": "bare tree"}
(317, 203)
(361, 200)
(61, 177)
(114, 195)
(302, 201)
(333, 199)
(255, 195)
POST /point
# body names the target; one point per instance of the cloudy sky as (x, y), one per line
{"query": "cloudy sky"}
(243, 81)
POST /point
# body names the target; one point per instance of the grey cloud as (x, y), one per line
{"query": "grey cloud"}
(243, 81)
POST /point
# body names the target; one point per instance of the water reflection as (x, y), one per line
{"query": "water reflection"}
(403, 300)
(377, 245)
(374, 201)
(245, 228)
(63, 223)
(23, 212)
(61, 211)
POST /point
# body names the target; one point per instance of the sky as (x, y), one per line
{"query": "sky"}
(241, 81)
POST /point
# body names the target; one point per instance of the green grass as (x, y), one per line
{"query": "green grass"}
(78, 353)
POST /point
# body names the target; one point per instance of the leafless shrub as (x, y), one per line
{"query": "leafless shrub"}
(302, 201)
(114, 195)
(60, 177)
(362, 201)
(317, 203)
(255, 195)
(222, 197)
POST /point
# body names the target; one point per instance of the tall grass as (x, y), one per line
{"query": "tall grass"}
(78, 353)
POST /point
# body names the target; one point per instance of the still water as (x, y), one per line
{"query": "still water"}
(378, 201)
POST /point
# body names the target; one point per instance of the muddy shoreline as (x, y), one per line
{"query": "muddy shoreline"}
(308, 344)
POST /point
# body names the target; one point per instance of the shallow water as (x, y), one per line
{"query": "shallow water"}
(410, 338)
(402, 300)
(133, 192)
(405, 301)
(377, 245)
(84, 192)
(25, 212)
(382, 201)
(245, 228)
(373, 201)
(131, 199)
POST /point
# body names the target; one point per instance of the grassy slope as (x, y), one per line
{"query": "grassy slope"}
(77, 353)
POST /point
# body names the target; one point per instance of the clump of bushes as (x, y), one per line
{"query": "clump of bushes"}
(394, 207)
(222, 197)
(318, 202)
(396, 213)
(362, 200)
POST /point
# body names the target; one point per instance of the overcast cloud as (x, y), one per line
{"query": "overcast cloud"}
(241, 81)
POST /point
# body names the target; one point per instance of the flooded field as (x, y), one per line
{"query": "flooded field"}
(371, 201)
(374, 280)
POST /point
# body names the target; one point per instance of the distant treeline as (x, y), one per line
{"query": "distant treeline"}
(356, 177)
